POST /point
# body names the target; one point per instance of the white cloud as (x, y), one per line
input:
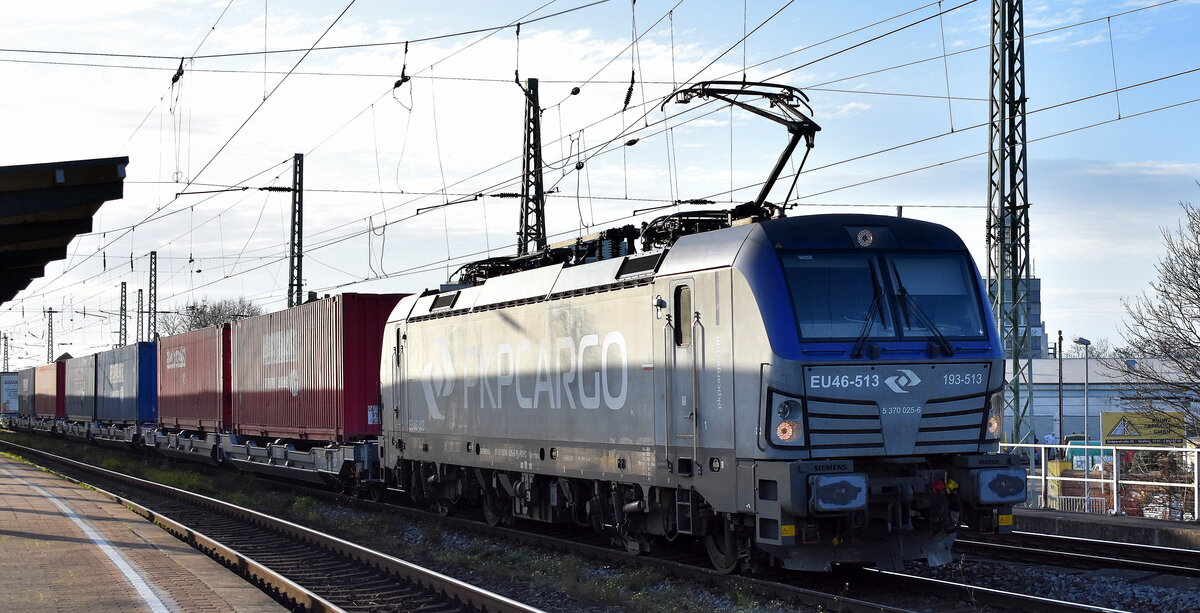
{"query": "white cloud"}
(850, 109)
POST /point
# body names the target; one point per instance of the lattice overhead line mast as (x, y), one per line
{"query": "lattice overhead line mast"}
(140, 317)
(152, 316)
(533, 197)
(1008, 204)
(296, 253)
(50, 336)
(124, 327)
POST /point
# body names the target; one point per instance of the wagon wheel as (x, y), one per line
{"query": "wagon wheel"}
(372, 492)
(440, 507)
(722, 547)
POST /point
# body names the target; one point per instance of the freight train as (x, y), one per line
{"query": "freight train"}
(789, 391)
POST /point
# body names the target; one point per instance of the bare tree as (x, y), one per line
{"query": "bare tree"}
(206, 312)
(1164, 323)
(1100, 348)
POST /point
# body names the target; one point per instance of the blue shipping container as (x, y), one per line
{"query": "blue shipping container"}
(81, 388)
(127, 384)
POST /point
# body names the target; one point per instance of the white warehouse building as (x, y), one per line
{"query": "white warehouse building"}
(1105, 392)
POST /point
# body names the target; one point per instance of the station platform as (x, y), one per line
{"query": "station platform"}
(1122, 528)
(67, 548)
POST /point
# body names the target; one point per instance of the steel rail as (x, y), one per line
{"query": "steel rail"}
(784, 585)
(471, 596)
(1091, 553)
(998, 598)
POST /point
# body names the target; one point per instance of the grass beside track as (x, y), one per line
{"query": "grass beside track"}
(472, 558)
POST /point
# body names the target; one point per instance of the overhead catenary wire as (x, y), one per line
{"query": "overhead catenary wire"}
(210, 56)
(942, 56)
(524, 17)
(893, 175)
(1035, 111)
(243, 125)
(1027, 37)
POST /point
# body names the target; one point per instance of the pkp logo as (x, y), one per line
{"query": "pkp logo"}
(437, 378)
(906, 378)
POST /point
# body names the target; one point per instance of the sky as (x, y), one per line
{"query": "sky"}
(899, 89)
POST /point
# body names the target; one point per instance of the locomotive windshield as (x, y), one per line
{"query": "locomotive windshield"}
(883, 295)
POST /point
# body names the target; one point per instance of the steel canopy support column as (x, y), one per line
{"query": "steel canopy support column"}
(296, 252)
(1008, 205)
(533, 198)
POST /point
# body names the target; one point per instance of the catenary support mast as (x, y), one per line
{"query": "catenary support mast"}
(532, 236)
(1008, 206)
(152, 316)
(296, 253)
(124, 327)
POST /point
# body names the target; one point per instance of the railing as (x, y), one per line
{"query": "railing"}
(1155, 482)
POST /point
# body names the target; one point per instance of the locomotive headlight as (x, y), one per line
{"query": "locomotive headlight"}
(787, 408)
(788, 431)
(995, 419)
(787, 421)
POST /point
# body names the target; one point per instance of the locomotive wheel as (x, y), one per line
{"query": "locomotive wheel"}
(633, 544)
(492, 513)
(722, 548)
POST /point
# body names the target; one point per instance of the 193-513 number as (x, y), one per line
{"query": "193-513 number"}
(970, 378)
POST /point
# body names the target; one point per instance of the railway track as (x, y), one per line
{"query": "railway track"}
(856, 590)
(302, 568)
(1084, 553)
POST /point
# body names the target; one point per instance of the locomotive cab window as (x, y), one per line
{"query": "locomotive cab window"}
(683, 315)
(837, 295)
(936, 290)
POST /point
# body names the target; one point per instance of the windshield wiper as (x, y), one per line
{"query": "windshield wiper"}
(921, 316)
(874, 308)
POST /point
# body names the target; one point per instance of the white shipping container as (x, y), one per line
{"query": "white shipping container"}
(9, 404)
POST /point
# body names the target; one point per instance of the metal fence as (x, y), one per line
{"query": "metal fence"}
(1154, 482)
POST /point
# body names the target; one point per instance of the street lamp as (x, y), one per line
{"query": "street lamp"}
(1087, 440)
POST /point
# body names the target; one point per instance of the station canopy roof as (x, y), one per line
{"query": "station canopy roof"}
(45, 206)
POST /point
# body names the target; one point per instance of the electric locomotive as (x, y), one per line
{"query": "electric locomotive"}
(795, 392)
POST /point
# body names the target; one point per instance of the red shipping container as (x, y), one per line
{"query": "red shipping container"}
(193, 380)
(312, 371)
(50, 391)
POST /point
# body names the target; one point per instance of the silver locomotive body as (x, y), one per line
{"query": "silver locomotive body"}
(714, 390)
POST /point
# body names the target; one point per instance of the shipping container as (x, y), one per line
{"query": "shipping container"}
(311, 372)
(50, 394)
(193, 380)
(25, 392)
(81, 388)
(9, 400)
(127, 385)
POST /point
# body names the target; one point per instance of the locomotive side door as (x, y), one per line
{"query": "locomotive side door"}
(681, 378)
(399, 385)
